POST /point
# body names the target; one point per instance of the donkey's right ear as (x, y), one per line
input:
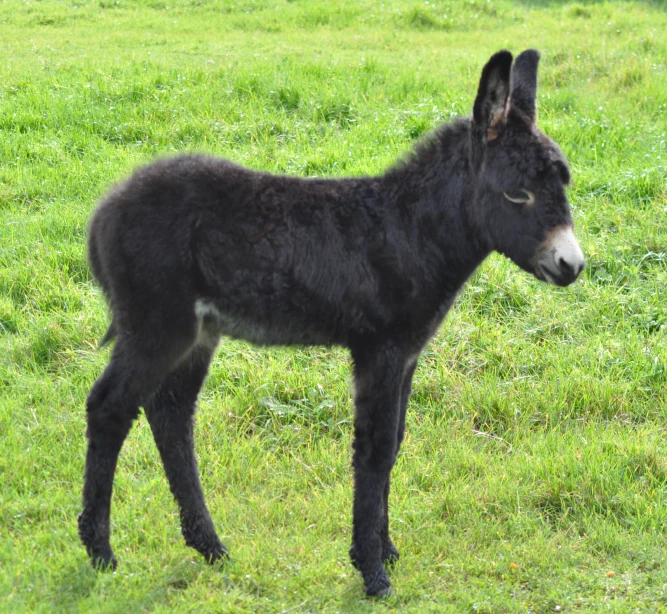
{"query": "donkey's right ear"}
(491, 102)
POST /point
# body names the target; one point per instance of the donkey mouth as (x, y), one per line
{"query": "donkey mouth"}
(564, 278)
(559, 259)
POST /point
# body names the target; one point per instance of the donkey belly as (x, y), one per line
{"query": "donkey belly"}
(262, 327)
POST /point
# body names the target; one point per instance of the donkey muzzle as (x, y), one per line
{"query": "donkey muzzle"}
(559, 259)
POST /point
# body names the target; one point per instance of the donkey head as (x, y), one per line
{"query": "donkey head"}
(520, 206)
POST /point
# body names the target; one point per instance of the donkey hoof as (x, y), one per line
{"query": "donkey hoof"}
(218, 555)
(379, 586)
(387, 591)
(103, 560)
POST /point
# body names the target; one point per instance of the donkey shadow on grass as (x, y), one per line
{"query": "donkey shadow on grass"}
(192, 248)
(79, 585)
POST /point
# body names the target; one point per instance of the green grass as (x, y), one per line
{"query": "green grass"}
(534, 474)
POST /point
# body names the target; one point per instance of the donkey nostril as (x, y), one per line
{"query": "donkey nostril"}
(565, 266)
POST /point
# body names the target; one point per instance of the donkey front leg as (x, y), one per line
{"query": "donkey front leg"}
(378, 376)
(389, 552)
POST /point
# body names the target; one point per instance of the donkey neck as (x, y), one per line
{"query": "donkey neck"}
(431, 192)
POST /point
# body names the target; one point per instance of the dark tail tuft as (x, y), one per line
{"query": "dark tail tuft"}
(110, 335)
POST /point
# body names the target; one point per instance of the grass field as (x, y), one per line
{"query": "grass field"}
(534, 473)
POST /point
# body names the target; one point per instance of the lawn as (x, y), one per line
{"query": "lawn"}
(533, 477)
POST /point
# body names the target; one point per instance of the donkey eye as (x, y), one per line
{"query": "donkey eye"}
(521, 197)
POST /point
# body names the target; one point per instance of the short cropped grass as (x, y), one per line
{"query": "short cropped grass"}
(534, 473)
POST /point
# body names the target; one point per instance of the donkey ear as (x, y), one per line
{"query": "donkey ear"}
(524, 82)
(494, 86)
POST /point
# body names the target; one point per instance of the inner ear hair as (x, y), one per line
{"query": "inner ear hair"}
(489, 109)
(496, 121)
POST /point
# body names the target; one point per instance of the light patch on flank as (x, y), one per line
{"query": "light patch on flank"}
(203, 309)
(208, 323)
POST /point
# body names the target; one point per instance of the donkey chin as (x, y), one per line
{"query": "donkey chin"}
(558, 259)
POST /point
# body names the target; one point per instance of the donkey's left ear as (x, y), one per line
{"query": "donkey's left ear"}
(524, 83)
(488, 113)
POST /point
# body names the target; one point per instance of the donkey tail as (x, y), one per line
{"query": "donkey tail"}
(109, 336)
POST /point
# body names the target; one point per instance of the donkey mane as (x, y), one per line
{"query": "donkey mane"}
(447, 140)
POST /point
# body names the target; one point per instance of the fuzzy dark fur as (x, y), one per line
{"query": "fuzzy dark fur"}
(192, 248)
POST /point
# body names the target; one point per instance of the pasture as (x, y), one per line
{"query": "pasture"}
(533, 476)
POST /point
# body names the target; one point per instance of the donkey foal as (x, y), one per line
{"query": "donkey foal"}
(193, 248)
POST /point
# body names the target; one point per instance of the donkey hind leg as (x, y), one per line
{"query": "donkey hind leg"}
(378, 380)
(389, 552)
(129, 380)
(170, 414)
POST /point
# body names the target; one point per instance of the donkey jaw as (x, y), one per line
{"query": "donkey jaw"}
(559, 259)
